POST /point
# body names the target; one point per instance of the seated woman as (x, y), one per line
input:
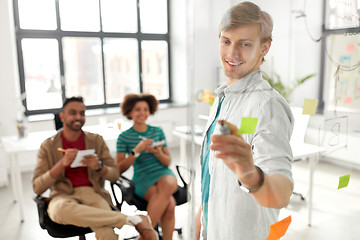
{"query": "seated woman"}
(154, 181)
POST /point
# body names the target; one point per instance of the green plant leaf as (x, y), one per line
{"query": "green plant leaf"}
(279, 86)
(304, 79)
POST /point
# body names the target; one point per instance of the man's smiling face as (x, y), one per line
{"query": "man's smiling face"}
(73, 116)
(241, 51)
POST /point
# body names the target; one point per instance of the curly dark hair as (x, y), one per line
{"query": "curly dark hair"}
(130, 100)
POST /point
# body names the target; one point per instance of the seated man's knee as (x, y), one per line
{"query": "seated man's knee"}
(59, 209)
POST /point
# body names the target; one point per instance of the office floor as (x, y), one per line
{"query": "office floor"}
(336, 213)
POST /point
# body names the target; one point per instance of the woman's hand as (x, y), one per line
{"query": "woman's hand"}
(155, 150)
(143, 145)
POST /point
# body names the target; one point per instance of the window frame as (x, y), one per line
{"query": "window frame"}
(58, 34)
(325, 33)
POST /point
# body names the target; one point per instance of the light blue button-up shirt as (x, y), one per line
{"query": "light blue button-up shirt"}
(232, 213)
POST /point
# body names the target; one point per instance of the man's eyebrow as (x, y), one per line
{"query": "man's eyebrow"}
(75, 110)
(246, 40)
(240, 40)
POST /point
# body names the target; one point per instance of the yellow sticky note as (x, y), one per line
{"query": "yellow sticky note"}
(277, 230)
(344, 181)
(310, 106)
(248, 125)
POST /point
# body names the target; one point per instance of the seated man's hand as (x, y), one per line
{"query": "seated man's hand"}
(91, 161)
(69, 156)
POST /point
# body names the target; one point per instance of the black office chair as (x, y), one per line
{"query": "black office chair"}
(127, 187)
(54, 229)
(57, 121)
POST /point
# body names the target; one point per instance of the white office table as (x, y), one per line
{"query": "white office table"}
(300, 151)
(183, 132)
(313, 154)
(13, 146)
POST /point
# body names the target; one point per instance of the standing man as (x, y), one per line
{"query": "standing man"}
(77, 195)
(245, 178)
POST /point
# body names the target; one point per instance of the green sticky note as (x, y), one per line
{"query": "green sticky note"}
(344, 181)
(248, 125)
(310, 106)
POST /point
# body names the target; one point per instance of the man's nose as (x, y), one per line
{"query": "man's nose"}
(234, 51)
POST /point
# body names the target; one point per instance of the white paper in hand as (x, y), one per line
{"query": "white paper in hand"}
(159, 143)
(80, 155)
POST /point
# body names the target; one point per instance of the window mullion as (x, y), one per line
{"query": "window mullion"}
(19, 54)
(62, 69)
(102, 55)
(61, 59)
(139, 45)
(168, 44)
(103, 69)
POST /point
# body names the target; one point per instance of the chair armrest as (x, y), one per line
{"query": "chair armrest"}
(191, 172)
(126, 187)
(182, 195)
(41, 203)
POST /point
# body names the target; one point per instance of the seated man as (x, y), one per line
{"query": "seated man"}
(77, 195)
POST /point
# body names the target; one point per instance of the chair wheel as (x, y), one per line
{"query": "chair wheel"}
(178, 230)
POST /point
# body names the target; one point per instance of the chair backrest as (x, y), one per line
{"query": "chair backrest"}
(182, 194)
(300, 126)
(126, 187)
(58, 122)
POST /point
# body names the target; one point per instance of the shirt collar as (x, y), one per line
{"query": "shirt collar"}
(240, 85)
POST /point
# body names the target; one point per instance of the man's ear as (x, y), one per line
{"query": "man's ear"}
(265, 48)
(61, 115)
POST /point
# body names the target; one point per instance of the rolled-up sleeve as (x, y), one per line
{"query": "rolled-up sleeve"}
(271, 147)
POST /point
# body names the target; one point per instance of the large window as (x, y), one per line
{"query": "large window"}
(99, 49)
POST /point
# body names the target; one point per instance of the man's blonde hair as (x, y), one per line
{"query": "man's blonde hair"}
(247, 13)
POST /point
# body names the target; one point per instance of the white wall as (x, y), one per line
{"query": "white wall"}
(8, 70)
(8, 76)
(178, 51)
(305, 51)
(293, 53)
